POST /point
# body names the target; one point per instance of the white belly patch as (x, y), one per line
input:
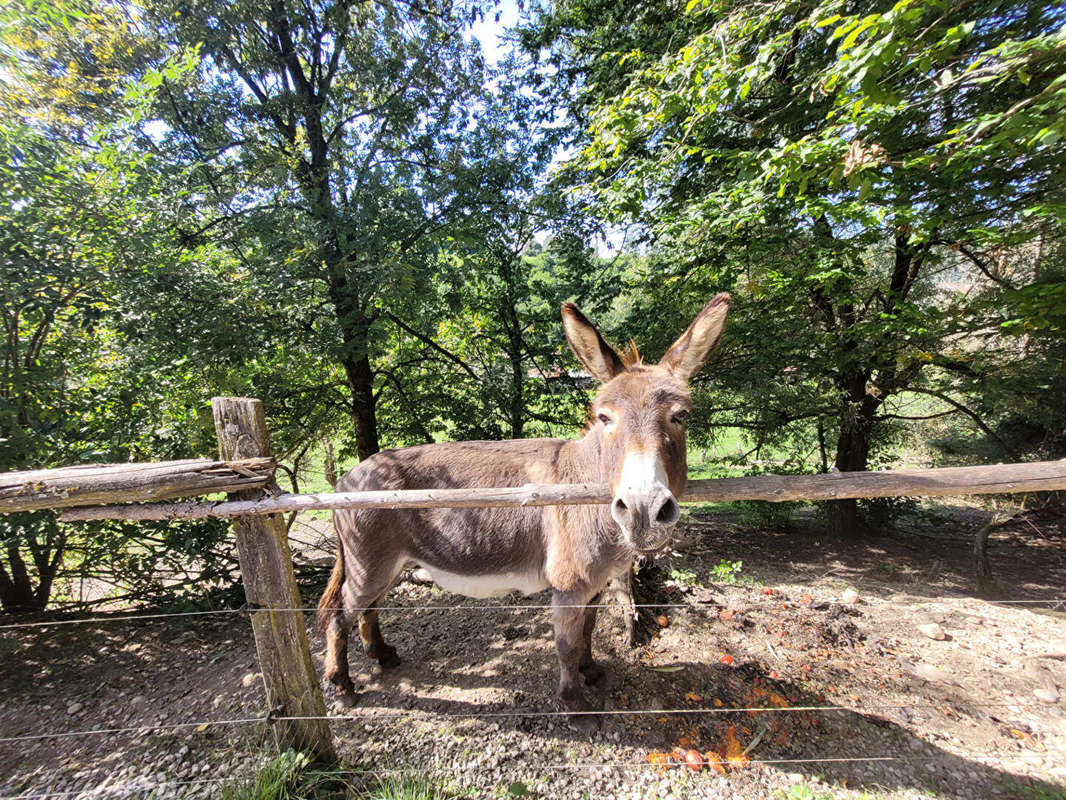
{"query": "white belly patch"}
(496, 585)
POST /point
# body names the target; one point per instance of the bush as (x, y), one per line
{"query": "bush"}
(760, 513)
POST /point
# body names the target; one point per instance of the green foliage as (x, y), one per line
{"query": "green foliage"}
(803, 792)
(883, 512)
(875, 184)
(87, 373)
(412, 787)
(292, 776)
(727, 572)
(288, 776)
(774, 516)
(683, 577)
(1016, 790)
(331, 158)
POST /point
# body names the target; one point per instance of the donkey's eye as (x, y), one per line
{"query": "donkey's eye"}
(679, 417)
(606, 420)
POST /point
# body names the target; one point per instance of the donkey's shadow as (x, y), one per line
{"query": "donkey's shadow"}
(511, 685)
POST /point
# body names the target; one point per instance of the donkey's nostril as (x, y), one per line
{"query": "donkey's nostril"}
(620, 512)
(669, 513)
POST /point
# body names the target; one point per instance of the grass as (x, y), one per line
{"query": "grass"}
(802, 792)
(288, 776)
(1016, 790)
(292, 776)
(410, 787)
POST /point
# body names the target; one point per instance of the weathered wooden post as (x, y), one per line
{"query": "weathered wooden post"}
(292, 689)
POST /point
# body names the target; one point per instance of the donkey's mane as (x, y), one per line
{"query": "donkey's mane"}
(630, 355)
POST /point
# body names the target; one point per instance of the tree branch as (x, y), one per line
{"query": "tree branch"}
(972, 415)
(426, 340)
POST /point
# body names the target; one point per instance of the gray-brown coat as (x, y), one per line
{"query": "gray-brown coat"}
(635, 442)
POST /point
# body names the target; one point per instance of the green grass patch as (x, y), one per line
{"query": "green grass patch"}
(288, 776)
(802, 792)
(292, 776)
(409, 787)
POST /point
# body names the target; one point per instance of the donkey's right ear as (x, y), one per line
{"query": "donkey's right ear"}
(598, 357)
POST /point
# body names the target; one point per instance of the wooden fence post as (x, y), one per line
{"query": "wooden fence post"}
(292, 688)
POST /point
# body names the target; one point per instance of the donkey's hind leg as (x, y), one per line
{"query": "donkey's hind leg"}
(336, 666)
(374, 644)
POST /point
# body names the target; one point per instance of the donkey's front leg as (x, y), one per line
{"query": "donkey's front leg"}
(569, 614)
(592, 671)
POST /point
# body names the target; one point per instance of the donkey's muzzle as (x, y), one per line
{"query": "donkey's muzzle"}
(646, 517)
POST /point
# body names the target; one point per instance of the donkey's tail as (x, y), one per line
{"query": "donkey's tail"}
(331, 598)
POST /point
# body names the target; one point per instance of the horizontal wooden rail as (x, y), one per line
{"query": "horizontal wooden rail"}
(995, 479)
(92, 484)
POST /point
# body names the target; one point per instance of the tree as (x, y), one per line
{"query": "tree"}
(480, 355)
(832, 164)
(83, 377)
(334, 131)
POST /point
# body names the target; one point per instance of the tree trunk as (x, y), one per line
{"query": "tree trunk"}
(330, 465)
(16, 591)
(518, 375)
(853, 452)
(985, 584)
(354, 327)
(364, 406)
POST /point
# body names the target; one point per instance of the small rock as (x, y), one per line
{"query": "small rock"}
(850, 597)
(74, 708)
(933, 631)
(249, 679)
(1048, 694)
(927, 672)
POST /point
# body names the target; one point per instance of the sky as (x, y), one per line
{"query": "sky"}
(489, 31)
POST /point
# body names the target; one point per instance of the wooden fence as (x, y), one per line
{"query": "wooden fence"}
(245, 472)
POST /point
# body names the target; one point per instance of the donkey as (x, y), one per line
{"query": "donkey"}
(634, 441)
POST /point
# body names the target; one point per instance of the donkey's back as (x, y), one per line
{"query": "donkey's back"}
(478, 552)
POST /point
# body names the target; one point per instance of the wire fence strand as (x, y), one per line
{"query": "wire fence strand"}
(411, 713)
(695, 606)
(116, 791)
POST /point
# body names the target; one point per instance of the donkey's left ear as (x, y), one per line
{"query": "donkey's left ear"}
(687, 354)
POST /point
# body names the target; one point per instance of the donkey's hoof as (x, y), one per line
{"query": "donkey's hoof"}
(343, 697)
(592, 672)
(388, 658)
(345, 701)
(586, 723)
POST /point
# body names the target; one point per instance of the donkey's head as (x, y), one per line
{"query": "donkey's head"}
(639, 416)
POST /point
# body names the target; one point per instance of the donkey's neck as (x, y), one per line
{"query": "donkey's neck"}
(582, 460)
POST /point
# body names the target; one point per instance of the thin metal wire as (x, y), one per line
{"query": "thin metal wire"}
(457, 607)
(734, 764)
(113, 791)
(396, 714)
(980, 757)
(130, 729)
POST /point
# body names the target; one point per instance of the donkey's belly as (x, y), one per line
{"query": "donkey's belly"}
(496, 585)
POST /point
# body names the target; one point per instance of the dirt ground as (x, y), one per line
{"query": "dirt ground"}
(845, 699)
